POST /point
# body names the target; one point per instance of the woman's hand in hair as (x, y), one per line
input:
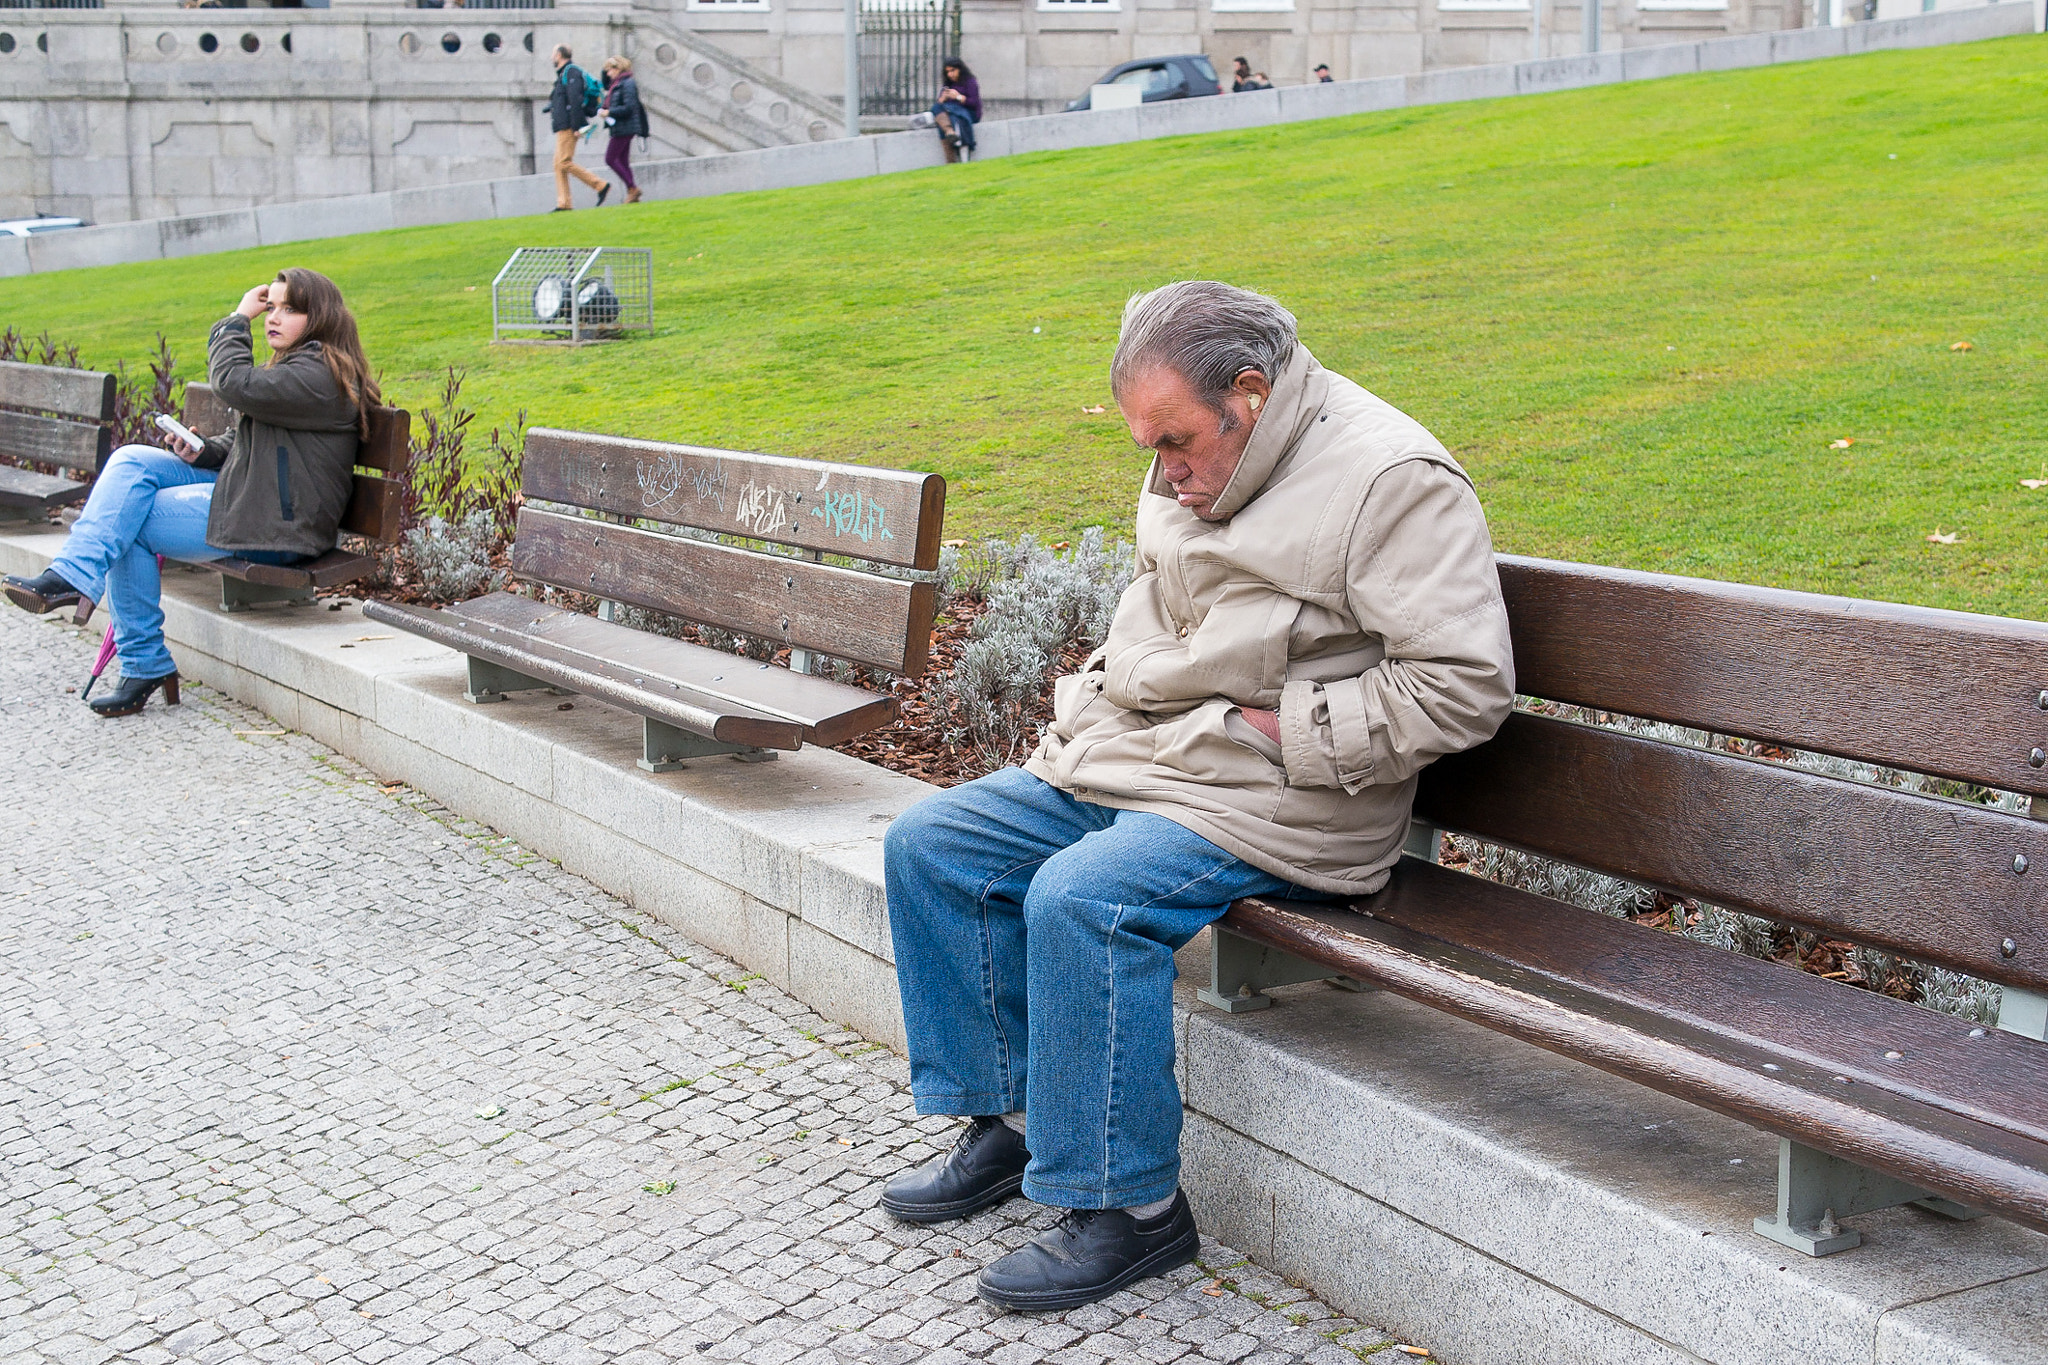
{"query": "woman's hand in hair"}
(255, 301)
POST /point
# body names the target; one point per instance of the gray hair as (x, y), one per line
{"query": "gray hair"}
(1205, 331)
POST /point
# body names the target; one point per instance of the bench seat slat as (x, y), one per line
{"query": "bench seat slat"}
(1419, 940)
(1929, 878)
(52, 440)
(882, 621)
(886, 515)
(635, 692)
(829, 712)
(26, 488)
(1941, 692)
(84, 395)
(330, 570)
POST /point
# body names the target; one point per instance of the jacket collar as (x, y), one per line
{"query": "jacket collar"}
(1298, 397)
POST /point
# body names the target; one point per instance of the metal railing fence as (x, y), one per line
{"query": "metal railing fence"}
(902, 43)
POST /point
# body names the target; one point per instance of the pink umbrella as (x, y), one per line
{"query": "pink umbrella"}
(106, 657)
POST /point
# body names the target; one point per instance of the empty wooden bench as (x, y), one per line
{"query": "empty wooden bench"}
(375, 509)
(52, 416)
(1876, 1102)
(695, 701)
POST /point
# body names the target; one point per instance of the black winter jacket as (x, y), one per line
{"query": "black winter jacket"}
(629, 115)
(287, 469)
(565, 101)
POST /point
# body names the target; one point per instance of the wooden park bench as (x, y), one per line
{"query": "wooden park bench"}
(695, 701)
(375, 509)
(1876, 1102)
(52, 416)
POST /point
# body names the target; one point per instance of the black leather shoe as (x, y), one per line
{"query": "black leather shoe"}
(1089, 1255)
(985, 1167)
(44, 592)
(129, 698)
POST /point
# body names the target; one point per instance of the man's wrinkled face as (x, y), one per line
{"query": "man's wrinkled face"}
(1198, 448)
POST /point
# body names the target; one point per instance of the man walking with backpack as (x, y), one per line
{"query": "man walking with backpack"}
(570, 106)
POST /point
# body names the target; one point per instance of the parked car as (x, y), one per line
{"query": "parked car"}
(1162, 78)
(29, 227)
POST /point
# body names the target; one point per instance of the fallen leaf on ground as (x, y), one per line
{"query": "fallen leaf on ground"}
(1097, 408)
(1060, 544)
(1940, 539)
(2034, 483)
(1213, 1293)
(1842, 444)
(1962, 346)
(952, 544)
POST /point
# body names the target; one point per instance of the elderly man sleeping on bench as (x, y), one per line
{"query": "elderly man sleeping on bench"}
(1315, 617)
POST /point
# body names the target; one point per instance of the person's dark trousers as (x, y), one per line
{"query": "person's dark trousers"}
(963, 122)
(619, 156)
(1034, 938)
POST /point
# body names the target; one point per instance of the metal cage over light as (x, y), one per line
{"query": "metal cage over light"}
(573, 293)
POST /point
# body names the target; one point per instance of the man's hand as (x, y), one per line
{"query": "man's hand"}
(187, 453)
(1266, 723)
(257, 300)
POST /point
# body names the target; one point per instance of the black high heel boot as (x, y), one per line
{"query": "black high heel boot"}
(44, 592)
(129, 697)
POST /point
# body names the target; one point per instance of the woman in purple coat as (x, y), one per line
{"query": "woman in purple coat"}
(958, 109)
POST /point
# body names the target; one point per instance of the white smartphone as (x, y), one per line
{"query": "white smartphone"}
(172, 426)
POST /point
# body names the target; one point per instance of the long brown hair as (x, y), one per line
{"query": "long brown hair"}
(329, 322)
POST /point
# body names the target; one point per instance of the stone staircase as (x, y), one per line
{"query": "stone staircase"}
(702, 99)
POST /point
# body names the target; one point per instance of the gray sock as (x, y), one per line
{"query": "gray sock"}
(1142, 1212)
(1015, 1122)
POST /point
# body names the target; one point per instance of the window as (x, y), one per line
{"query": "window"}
(1681, 4)
(1252, 6)
(1147, 78)
(1449, 5)
(1079, 6)
(723, 6)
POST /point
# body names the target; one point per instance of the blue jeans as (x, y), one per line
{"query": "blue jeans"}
(145, 502)
(1034, 940)
(963, 122)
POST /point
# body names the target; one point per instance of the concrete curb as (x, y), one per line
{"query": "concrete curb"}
(856, 158)
(1503, 1205)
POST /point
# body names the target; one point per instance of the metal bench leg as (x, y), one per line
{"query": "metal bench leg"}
(2024, 1013)
(1240, 971)
(490, 682)
(664, 748)
(235, 595)
(1815, 1190)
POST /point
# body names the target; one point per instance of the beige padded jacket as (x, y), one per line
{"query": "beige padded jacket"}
(1352, 589)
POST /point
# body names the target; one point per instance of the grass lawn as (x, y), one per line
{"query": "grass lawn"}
(1640, 314)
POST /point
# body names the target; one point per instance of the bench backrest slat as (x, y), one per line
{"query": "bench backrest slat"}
(886, 622)
(884, 515)
(1917, 875)
(52, 440)
(1939, 692)
(81, 395)
(377, 504)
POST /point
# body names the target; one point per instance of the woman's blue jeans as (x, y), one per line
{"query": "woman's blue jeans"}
(963, 122)
(146, 502)
(1034, 938)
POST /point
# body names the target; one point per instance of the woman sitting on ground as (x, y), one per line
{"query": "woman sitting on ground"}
(273, 492)
(626, 117)
(958, 109)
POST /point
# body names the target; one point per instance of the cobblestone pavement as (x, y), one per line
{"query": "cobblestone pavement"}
(299, 1067)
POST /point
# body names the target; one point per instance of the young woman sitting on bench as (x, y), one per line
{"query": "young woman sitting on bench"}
(272, 492)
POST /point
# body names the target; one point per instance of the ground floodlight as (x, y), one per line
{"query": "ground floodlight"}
(573, 294)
